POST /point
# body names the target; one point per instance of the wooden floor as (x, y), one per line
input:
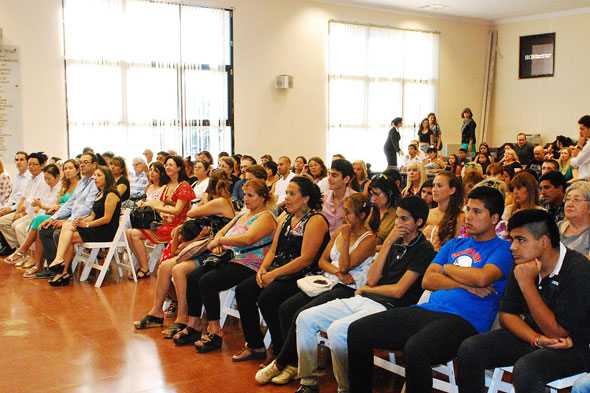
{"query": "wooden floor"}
(81, 339)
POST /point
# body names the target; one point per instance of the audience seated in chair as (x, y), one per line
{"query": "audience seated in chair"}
(467, 278)
(99, 226)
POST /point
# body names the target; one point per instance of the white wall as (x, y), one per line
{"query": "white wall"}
(547, 106)
(272, 37)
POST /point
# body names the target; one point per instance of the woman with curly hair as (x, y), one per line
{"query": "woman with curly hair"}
(444, 221)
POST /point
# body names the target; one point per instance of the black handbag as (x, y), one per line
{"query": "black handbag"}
(145, 217)
(216, 260)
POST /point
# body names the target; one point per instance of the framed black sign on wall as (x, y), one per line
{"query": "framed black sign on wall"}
(537, 56)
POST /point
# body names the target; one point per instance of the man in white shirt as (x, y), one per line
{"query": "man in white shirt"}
(581, 154)
(286, 176)
(18, 187)
(413, 156)
(35, 188)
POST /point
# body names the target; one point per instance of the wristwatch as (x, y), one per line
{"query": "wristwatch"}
(442, 270)
(87, 225)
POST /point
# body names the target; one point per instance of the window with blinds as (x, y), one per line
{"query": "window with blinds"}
(143, 74)
(377, 74)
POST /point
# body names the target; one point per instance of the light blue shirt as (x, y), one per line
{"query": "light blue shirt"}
(80, 204)
(18, 189)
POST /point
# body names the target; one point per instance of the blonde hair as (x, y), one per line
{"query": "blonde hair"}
(423, 176)
(363, 167)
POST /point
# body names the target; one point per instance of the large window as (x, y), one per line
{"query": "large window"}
(375, 75)
(143, 74)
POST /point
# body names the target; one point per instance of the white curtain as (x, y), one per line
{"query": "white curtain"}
(375, 75)
(143, 74)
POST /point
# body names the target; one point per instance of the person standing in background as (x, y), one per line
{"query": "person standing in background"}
(468, 130)
(391, 147)
(524, 150)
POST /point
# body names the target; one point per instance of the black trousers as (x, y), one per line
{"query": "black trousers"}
(49, 238)
(249, 296)
(426, 337)
(289, 311)
(204, 284)
(533, 367)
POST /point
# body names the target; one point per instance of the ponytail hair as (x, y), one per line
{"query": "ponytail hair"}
(308, 188)
(361, 203)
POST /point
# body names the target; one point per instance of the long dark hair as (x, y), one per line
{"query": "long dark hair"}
(120, 161)
(308, 188)
(219, 185)
(388, 187)
(109, 179)
(164, 179)
(182, 176)
(448, 225)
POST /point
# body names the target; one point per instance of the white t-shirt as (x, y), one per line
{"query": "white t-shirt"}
(281, 187)
(200, 189)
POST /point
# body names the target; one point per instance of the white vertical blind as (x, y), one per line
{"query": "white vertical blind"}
(143, 74)
(375, 75)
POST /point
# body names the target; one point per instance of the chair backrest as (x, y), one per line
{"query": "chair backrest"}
(425, 297)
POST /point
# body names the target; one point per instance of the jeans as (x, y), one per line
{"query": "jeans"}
(333, 318)
(582, 384)
(249, 296)
(292, 307)
(426, 337)
(533, 367)
(204, 283)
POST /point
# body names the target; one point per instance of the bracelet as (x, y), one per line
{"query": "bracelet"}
(578, 147)
(535, 340)
(442, 270)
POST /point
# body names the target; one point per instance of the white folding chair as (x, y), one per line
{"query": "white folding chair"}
(228, 307)
(497, 384)
(155, 253)
(90, 259)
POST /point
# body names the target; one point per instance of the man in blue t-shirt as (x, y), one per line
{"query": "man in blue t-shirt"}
(467, 278)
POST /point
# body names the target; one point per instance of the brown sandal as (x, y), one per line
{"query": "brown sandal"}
(252, 354)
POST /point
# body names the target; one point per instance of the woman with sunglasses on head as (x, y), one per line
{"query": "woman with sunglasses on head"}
(346, 262)
(385, 196)
(444, 221)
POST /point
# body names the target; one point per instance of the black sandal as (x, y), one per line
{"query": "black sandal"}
(253, 355)
(61, 281)
(148, 321)
(144, 274)
(189, 337)
(210, 342)
(173, 329)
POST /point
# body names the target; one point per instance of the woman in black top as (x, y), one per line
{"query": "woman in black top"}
(425, 135)
(119, 170)
(468, 130)
(435, 129)
(295, 251)
(391, 147)
(100, 226)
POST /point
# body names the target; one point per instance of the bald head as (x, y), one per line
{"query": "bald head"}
(539, 153)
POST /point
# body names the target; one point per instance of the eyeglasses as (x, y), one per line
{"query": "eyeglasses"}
(85, 162)
(575, 201)
(33, 164)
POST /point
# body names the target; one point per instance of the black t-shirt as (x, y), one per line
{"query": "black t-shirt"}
(124, 180)
(416, 258)
(536, 166)
(424, 137)
(567, 294)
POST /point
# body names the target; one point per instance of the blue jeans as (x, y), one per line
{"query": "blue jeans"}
(582, 384)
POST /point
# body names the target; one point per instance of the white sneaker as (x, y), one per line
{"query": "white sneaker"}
(264, 375)
(288, 374)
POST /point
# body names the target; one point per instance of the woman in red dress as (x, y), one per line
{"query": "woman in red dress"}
(173, 205)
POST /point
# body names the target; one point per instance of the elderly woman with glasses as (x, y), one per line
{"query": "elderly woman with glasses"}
(575, 229)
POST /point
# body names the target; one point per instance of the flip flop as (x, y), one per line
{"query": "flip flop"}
(173, 329)
(210, 342)
(190, 337)
(253, 355)
(148, 321)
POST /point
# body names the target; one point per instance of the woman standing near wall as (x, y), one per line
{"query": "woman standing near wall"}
(435, 130)
(468, 130)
